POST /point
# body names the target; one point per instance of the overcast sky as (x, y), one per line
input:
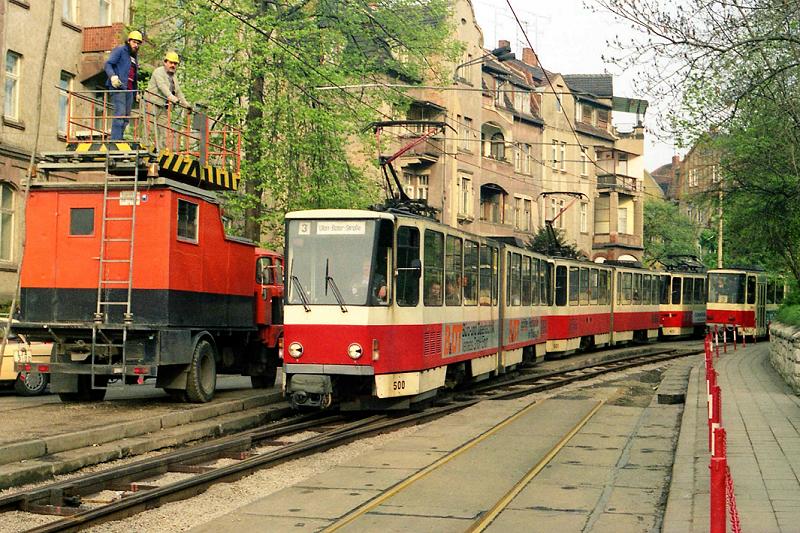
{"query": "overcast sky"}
(570, 39)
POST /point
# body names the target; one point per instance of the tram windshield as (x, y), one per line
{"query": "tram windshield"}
(726, 288)
(337, 262)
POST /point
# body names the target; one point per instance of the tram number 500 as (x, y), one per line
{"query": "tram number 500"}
(399, 384)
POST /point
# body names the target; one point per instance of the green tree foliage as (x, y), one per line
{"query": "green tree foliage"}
(554, 243)
(731, 67)
(262, 65)
(666, 233)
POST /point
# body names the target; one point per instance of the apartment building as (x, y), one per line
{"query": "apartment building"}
(699, 183)
(525, 146)
(81, 31)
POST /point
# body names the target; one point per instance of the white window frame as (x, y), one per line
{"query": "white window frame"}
(554, 159)
(526, 158)
(465, 200)
(12, 84)
(622, 221)
(584, 217)
(104, 8)
(578, 111)
(563, 153)
(584, 164)
(63, 100)
(422, 187)
(69, 11)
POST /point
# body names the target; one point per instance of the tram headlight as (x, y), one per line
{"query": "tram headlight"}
(296, 350)
(355, 351)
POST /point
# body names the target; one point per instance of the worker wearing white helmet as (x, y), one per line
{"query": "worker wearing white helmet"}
(163, 91)
(122, 69)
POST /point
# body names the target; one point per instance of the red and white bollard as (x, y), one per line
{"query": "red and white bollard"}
(719, 469)
(734, 337)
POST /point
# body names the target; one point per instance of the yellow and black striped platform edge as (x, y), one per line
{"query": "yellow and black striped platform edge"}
(120, 146)
(189, 169)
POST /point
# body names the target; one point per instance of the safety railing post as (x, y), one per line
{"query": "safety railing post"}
(725, 339)
(719, 469)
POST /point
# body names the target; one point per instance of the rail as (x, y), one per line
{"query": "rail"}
(153, 122)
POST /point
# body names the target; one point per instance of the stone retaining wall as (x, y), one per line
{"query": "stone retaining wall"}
(784, 353)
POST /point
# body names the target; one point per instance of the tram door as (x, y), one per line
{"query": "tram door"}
(761, 308)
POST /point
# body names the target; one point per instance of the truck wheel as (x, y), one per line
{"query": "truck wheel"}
(31, 384)
(202, 379)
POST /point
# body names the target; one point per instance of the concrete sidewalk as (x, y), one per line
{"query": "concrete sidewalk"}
(761, 416)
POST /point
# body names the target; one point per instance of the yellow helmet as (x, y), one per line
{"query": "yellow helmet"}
(135, 35)
(172, 56)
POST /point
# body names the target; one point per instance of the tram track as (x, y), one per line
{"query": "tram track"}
(136, 494)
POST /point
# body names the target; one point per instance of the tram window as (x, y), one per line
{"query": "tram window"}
(81, 220)
(547, 283)
(751, 289)
(434, 258)
(470, 273)
(508, 278)
(584, 295)
(627, 288)
(656, 290)
(619, 288)
(495, 275)
(526, 281)
(516, 278)
(779, 290)
(676, 290)
(535, 282)
(665, 288)
(594, 286)
(488, 273)
(408, 274)
(687, 291)
(603, 296)
(637, 288)
(453, 266)
(699, 290)
(574, 285)
(770, 292)
(647, 289)
(561, 286)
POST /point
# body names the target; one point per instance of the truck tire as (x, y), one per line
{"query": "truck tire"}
(31, 384)
(202, 380)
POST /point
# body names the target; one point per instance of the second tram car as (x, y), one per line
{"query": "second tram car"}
(683, 303)
(737, 300)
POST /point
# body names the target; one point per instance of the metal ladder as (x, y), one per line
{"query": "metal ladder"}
(108, 286)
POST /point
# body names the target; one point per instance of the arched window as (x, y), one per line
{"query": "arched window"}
(498, 146)
(6, 221)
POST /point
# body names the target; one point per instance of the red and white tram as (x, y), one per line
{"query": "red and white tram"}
(683, 303)
(384, 308)
(744, 299)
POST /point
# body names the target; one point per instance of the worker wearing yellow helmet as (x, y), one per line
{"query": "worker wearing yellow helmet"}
(122, 70)
(164, 91)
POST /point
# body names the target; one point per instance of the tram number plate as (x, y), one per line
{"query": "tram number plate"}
(399, 384)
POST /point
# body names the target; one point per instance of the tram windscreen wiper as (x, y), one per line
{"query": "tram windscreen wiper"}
(299, 288)
(329, 281)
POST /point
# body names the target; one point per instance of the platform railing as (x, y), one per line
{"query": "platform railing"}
(154, 123)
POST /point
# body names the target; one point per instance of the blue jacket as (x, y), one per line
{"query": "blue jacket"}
(119, 64)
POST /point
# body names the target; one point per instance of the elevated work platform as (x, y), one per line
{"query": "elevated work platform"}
(160, 141)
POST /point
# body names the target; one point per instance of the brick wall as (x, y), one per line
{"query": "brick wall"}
(102, 38)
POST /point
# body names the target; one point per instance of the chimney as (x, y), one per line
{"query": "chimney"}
(676, 160)
(502, 42)
(529, 57)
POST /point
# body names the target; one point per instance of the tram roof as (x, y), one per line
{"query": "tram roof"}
(339, 214)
